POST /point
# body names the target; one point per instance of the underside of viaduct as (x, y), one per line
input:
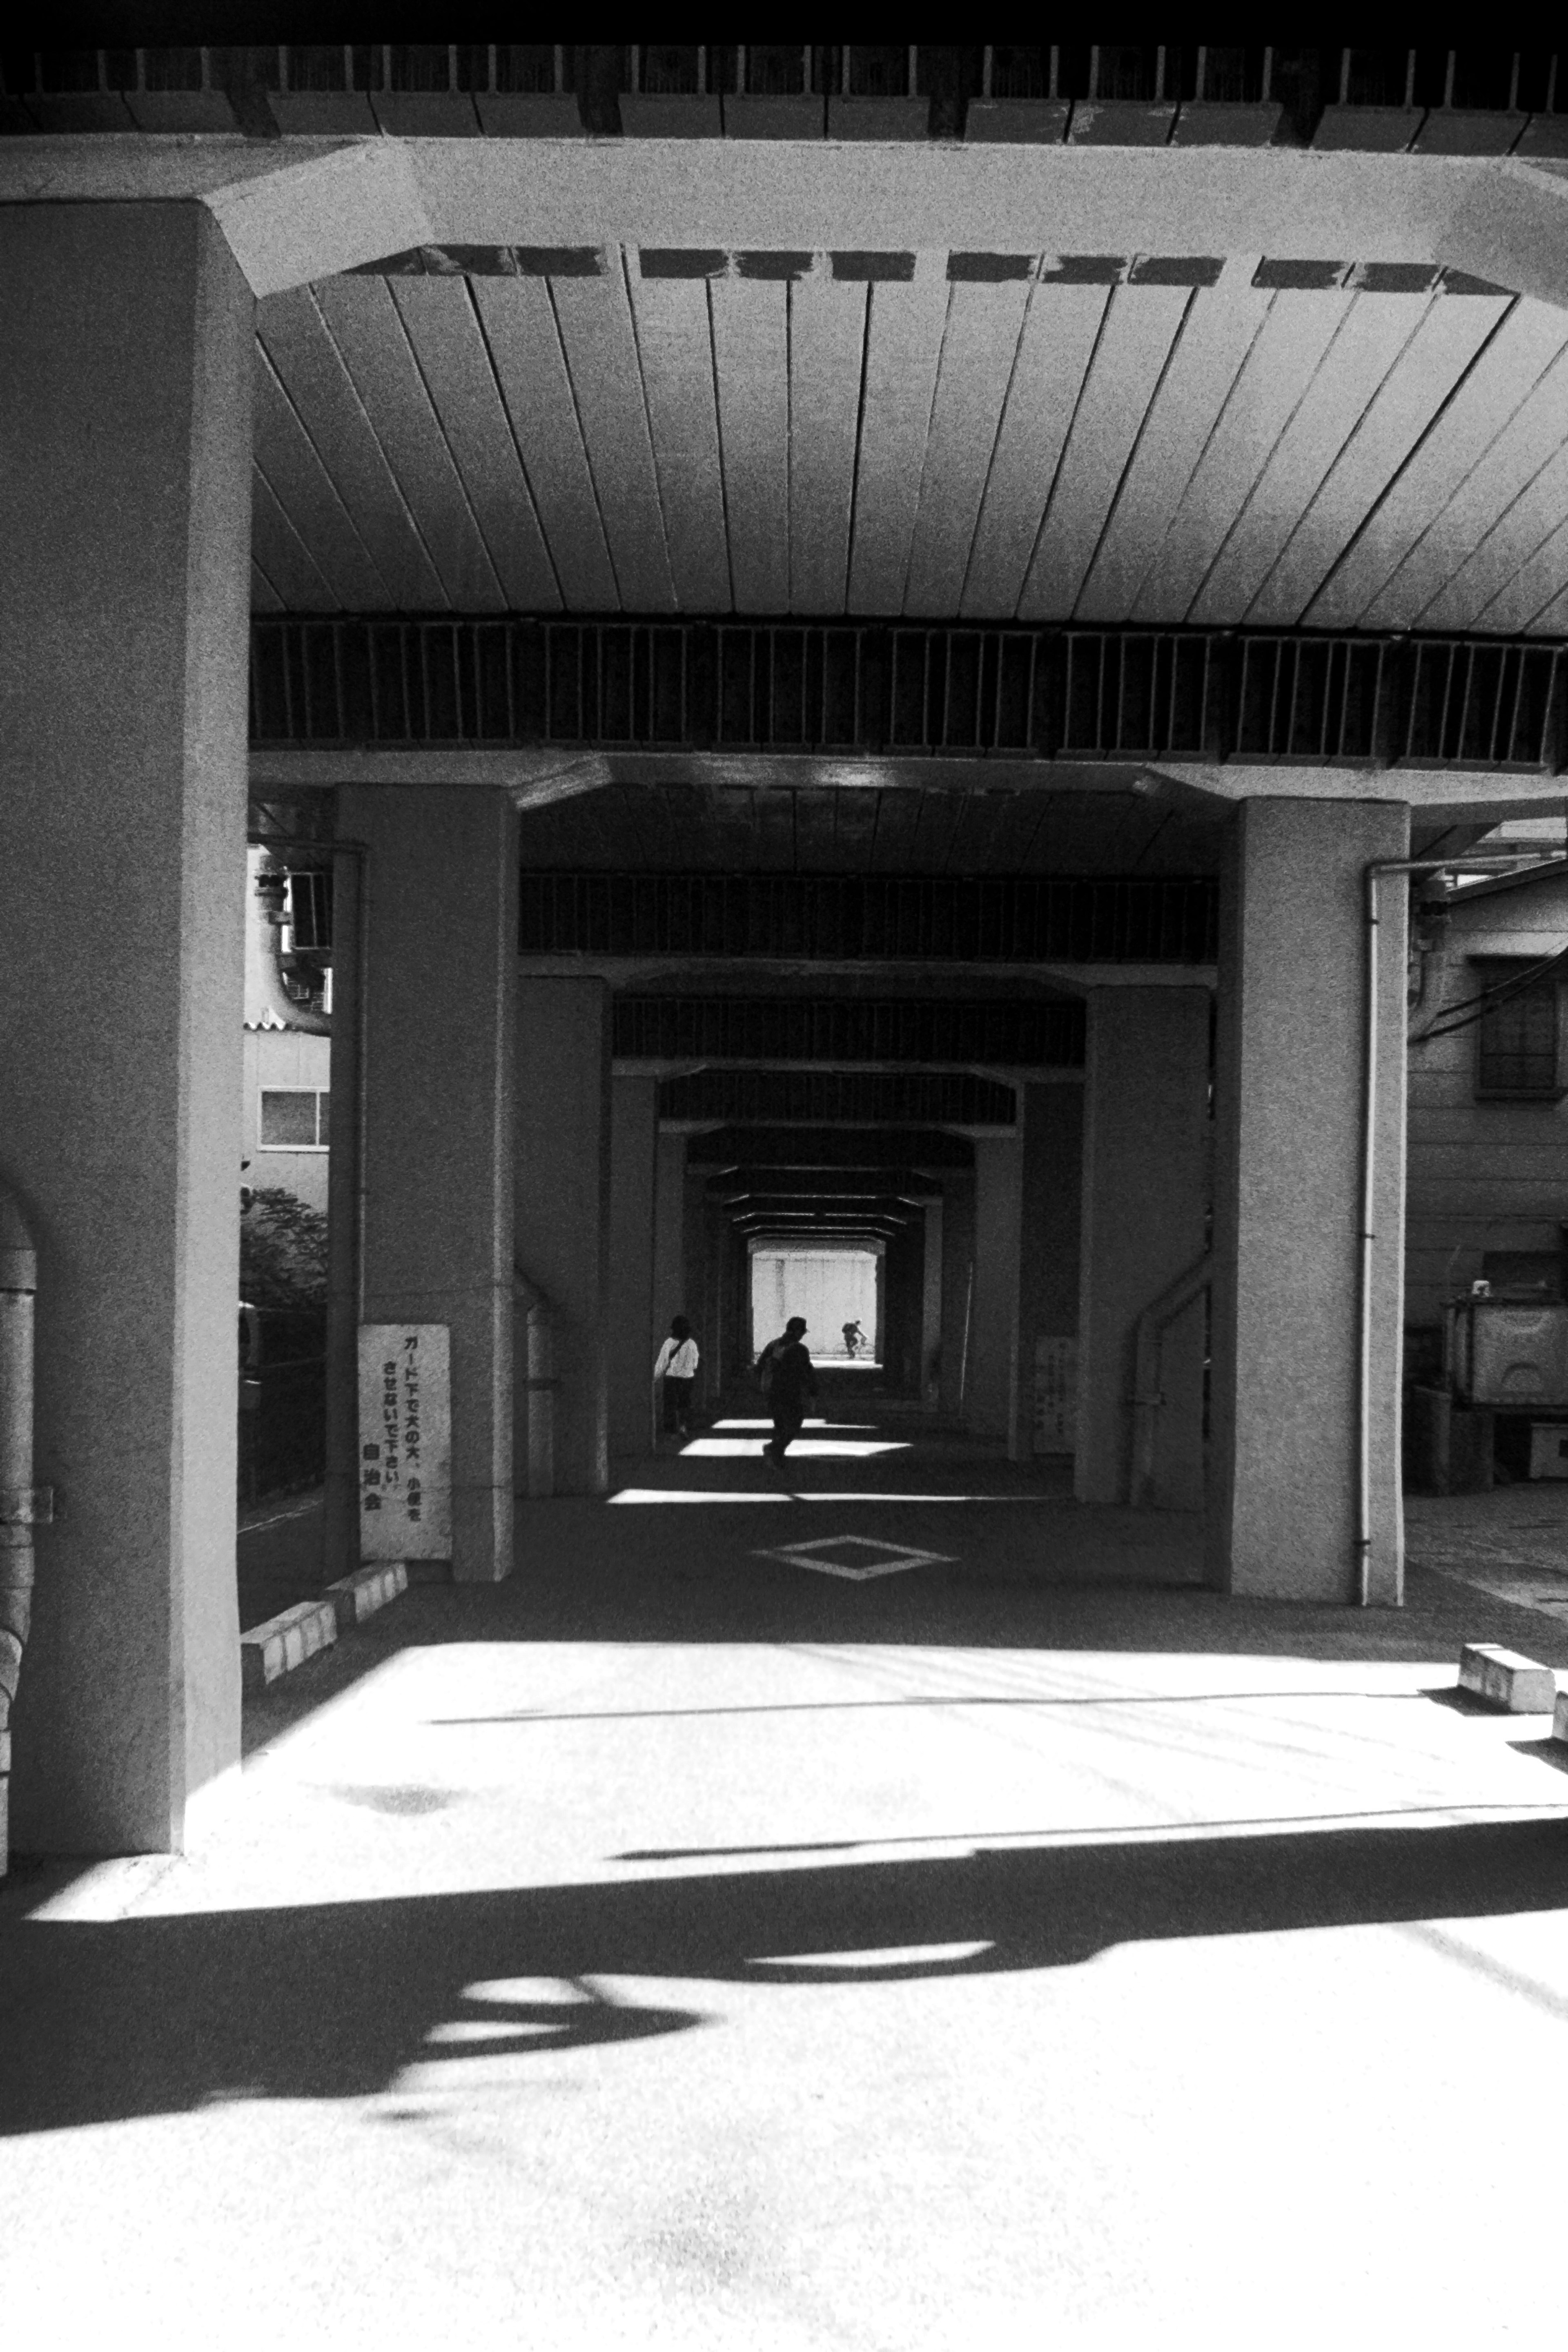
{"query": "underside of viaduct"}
(883, 691)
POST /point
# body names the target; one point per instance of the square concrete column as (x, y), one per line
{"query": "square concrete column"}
(437, 1041)
(564, 1205)
(1290, 1104)
(633, 1155)
(1146, 1217)
(125, 380)
(1052, 1121)
(697, 1282)
(669, 1238)
(991, 1401)
(931, 1305)
(957, 1291)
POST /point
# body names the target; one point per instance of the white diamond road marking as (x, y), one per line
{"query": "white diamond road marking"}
(894, 1557)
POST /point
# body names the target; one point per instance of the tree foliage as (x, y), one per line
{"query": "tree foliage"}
(283, 1250)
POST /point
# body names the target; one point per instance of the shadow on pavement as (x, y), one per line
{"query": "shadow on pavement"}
(157, 2014)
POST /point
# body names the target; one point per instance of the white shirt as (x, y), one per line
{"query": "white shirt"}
(677, 1358)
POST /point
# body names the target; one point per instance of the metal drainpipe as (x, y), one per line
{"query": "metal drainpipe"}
(1496, 862)
(23, 1506)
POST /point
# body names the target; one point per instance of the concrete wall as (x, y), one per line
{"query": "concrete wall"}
(125, 376)
(1483, 1177)
(563, 1216)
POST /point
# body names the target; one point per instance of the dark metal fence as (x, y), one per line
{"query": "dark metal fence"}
(829, 688)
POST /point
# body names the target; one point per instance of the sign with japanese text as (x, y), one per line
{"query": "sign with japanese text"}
(405, 1440)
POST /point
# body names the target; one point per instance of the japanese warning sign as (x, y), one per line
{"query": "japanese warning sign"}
(405, 1440)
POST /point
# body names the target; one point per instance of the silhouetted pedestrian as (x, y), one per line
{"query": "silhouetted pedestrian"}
(787, 1378)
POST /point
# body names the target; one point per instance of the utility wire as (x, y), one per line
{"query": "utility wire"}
(1471, 1009)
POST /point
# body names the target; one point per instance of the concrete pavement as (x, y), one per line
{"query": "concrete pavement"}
(679, 1945)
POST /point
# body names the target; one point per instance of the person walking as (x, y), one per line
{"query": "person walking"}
(676, 1366)
(788, 1378)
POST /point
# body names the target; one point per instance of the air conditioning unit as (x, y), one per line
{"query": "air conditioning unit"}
(1508, 1355)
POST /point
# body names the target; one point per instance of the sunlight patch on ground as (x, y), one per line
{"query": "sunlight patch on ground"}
(837, 1428)
(847, 1448)
(897, 1955)
(723, 1494)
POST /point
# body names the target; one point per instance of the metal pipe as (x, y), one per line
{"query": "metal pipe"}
(1497, 861)
(23, 1506)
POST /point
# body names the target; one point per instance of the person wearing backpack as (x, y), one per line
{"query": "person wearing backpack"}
(787, 1378)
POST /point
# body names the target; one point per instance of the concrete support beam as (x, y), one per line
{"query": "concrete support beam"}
(1145, 1215)
(564, 1204)
(993, 1400)
(125, 379)
(436, 1187)
(633, 1156)
(1290, 1091)
(1051, 1117)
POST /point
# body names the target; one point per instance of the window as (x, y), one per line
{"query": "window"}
(293, 1118)
(1517, 1037)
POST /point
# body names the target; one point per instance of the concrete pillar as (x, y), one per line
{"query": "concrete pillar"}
(1289, 1132)
(1145, 1215)
(669, 1240)
(563, 1232)
(633, 1152)
(696, 1281)
(438, 1041)
(992, 1399)
(931, 1305)
(957, 1291)
(125, 379)
(1052, 1121)
(341, 1511)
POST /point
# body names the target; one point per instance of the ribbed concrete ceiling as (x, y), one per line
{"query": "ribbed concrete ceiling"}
(1388, 452)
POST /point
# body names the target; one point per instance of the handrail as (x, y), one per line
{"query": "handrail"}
(1148, 1367)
